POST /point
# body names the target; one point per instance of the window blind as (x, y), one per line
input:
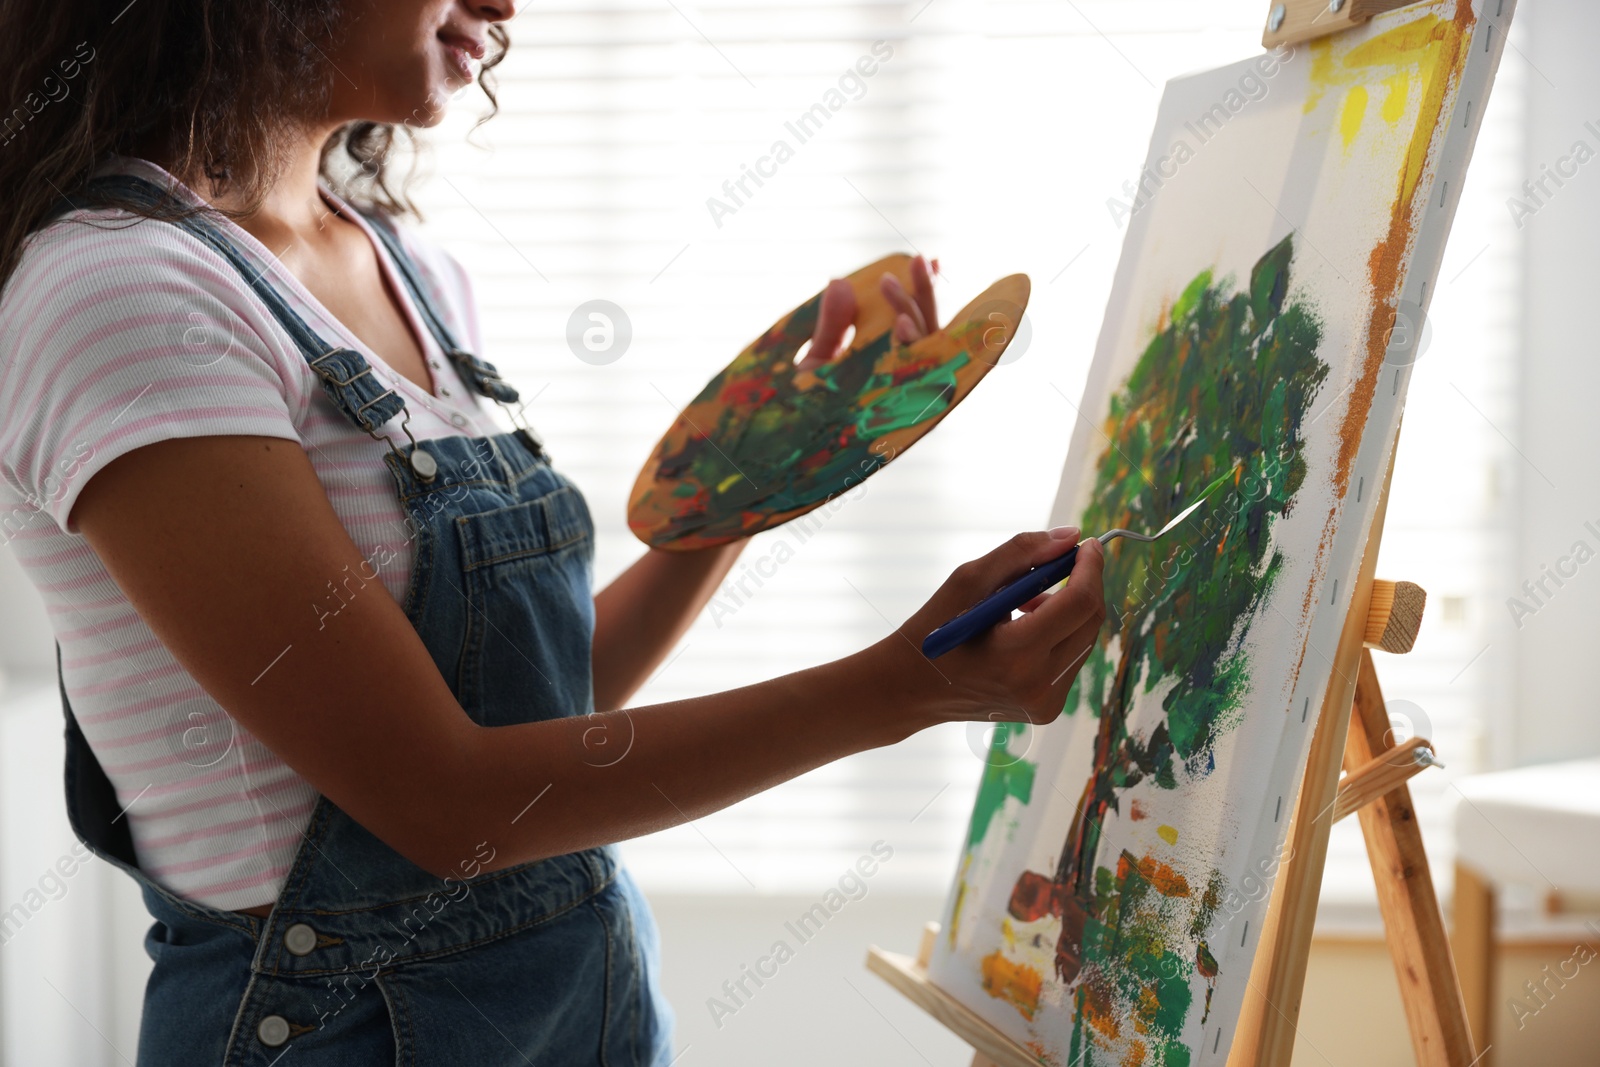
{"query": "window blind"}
(991, 135)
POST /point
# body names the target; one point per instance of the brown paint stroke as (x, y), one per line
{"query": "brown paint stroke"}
(1386, 269)
(1385, 265)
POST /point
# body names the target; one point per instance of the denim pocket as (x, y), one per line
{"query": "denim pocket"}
(529, 610)
(555, 522)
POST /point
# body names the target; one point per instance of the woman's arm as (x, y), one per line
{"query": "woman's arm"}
(223, 544)
(644, 612)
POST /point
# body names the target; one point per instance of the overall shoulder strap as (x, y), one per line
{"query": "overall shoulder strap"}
(479, 374)
(345, 374)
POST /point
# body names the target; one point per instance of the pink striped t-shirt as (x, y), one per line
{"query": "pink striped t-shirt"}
(112, 338)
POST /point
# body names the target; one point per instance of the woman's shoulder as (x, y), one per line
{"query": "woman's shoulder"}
(87, 251)
(117, 331)
(96, 261)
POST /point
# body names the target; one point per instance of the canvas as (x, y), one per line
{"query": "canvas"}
(1263, 320)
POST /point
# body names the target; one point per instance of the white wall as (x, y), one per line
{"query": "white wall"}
(1557, 668)
(72, 965)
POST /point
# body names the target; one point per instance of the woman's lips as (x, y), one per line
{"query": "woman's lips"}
(461, 51)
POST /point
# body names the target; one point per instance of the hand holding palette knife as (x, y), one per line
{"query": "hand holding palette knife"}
(997, 607)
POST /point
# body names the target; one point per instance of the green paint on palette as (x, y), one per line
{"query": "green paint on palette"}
(912, 404)
(1004, 775)
(791, 452)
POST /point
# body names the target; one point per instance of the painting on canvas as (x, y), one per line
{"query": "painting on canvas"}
(1291, 214)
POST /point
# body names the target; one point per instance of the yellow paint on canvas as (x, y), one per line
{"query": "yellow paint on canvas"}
(1394, 104)
(1352, 114)
(1411, 49)
(1418, 55)
(1169, 834)
(961, 898)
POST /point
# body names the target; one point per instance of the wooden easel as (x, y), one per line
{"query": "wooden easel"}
(1352, 731)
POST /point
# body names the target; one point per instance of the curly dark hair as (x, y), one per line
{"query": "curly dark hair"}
(211, 87)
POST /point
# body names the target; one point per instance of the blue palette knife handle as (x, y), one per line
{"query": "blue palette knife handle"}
(997, 607)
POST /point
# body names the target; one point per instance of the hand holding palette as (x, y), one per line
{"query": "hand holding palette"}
(766, 442)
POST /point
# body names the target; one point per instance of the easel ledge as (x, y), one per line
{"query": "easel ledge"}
(910, 976)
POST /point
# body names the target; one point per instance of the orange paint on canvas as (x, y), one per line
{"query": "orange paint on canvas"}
(1161, 876)
(1015, 983)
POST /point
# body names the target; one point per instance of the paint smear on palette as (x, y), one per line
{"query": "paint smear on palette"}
(764, 442)
(1226, 382)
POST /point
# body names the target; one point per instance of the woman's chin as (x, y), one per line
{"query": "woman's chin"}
(430, 107)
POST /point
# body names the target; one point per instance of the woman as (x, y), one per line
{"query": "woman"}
(338, 694)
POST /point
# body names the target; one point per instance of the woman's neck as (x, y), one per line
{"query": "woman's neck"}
(292, 206)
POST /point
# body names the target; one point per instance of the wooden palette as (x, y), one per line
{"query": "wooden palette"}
(765, 442)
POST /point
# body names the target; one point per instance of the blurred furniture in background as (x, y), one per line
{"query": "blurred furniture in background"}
(1534, 826)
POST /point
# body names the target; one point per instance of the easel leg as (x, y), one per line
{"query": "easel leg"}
(1475, 954)
(980, 1060)
(1435, 1012)
(1269, 1017)
(1270, 1013)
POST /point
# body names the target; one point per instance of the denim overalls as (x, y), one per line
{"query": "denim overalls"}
(367, 959)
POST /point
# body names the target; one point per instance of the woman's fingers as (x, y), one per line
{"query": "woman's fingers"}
(1034, 603)
(922, 291)
(906, 331)
(1082, 599)
(1008, 562)
(1021, 669)
(898, 299)
(976, 579)
(1056, 637)
(916, 313)
(1068, 659)
(834, 320)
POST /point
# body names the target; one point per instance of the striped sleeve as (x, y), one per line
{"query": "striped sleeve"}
(113, 337)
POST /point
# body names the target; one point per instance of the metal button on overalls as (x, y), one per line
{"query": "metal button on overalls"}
(300, 939)
(273, 1031)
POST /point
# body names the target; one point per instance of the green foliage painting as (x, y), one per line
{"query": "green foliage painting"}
(1225, 384)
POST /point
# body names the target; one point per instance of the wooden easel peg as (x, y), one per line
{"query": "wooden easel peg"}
(1393, 619)
(1382, 775)
(1394, 616)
